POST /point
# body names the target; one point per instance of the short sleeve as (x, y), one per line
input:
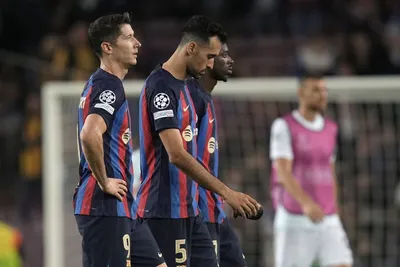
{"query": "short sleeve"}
(280, 143)
(106, 100)
(162, 103)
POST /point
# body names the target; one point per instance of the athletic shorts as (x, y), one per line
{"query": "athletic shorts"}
(300, 242)
(231, 253)
(226, 245)
(117, 242)
(180, 239)
(213, 230)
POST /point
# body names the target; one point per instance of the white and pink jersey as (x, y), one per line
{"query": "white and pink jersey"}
(311, 147)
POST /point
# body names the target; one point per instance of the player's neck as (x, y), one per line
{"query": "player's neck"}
(176, 65)
(307, 114)
(113, 68)
(207, 82)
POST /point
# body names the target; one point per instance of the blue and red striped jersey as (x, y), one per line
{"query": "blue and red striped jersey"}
(104, 95)
(165, 191)
(210, 204)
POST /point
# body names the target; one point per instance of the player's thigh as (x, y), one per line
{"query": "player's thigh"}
(335, 248)
(173, 237)
(198, 254)
(104, 240)
(231, 253)
(214, 231)
(203, 247)
(143, 247)
(295, 247)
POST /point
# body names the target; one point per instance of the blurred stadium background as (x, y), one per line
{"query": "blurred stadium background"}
(43, 40)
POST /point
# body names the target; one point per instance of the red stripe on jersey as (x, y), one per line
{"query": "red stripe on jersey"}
(211, 206)
(121, 159)
(88, 195)
(182, 177)
(87, 104)
(150, 155)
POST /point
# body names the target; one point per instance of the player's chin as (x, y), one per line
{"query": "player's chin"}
(322, 108)
(198, 74)
(133, 62)
(223, 78)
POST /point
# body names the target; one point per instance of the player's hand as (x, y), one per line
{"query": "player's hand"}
(313, 211)
(242, 204)
(115, 187)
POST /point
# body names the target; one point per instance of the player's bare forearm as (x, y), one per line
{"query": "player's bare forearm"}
(286, 178)
(294, 189)
(192, 168)
(335, 187)
(92, 146)
(172, 141)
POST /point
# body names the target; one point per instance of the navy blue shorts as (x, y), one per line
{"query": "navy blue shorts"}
(231, 253)
(117, 242)
(213, 229)
(179, 239)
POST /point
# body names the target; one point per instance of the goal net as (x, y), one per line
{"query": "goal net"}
(366, 109)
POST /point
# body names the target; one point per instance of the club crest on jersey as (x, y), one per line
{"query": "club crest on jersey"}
(212, 145)
(187, 134)
(161, 101)
(107, 97)
(126, 136)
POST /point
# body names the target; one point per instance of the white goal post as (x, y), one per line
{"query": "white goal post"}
(352, 89)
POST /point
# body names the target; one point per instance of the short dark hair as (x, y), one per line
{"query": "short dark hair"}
(200, 29)
(309, 76)
(106, 29)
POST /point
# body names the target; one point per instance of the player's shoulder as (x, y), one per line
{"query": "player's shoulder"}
(161, 81)
(283, 120)
(279, 124)
(102, 80)
(287, 116)
(197, 91)
(330, 123)
(193, 86)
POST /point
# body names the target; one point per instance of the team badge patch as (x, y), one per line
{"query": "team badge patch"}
(161, 101)
(107, 97)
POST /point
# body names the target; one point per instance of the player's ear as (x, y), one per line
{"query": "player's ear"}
(106, 48)
(191, 48)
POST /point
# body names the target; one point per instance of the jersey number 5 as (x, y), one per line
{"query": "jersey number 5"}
(180, 251)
